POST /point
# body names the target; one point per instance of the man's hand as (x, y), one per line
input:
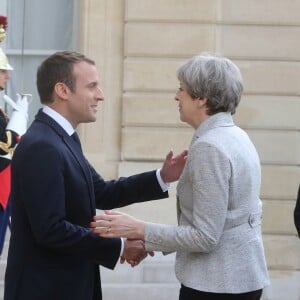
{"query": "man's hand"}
(134, 252)
(173, 166)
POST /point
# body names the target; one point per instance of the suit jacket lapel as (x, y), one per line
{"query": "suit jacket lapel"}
(74, 149)
(77, 152)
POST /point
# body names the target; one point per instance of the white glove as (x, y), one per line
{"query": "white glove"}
(21, 103)
(10, 102)
(19, 117)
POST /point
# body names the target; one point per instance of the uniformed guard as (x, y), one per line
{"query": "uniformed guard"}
(11, 129)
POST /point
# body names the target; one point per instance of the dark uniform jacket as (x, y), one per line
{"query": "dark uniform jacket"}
(8, 140)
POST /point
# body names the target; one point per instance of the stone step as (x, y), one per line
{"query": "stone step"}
(1, 289)
(2, 269)
(141, 291)
(159, 269)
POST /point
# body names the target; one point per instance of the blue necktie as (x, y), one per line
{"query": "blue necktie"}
(75, 137)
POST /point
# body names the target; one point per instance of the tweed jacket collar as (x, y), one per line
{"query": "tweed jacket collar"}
(222, 119)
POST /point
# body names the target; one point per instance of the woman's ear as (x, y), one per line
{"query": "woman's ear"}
(61, 90)
(201, 102)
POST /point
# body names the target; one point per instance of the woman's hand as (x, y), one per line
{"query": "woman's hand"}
(116, 224)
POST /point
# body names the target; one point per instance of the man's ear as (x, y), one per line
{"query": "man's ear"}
(61, 90)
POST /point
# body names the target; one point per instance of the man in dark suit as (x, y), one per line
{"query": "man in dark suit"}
(53, 254)
(297, 213)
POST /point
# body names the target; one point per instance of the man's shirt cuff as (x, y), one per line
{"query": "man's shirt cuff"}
(164, 185)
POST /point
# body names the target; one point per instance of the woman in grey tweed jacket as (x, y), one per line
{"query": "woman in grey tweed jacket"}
(218, 240)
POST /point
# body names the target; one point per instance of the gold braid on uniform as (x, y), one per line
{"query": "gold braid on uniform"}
(7, 146)
(8, 138)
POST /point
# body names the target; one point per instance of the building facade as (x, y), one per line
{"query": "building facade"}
(138, 46)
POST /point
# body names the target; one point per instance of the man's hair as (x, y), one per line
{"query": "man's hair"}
(58, 68)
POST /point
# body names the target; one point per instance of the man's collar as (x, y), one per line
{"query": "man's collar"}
(62, 121)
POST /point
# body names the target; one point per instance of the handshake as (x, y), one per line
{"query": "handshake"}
(134, 252)
(117, 224)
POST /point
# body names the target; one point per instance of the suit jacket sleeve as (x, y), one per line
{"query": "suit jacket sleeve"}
(126, 190)
(210, 172)
(297, 213)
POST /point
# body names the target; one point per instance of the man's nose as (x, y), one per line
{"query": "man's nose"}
(100, 95)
